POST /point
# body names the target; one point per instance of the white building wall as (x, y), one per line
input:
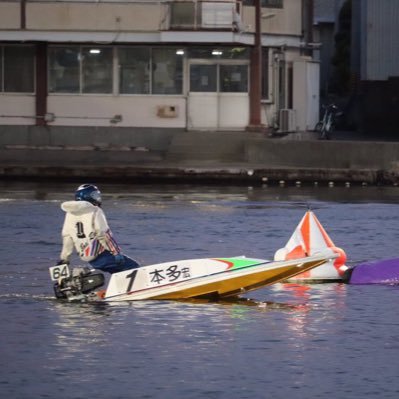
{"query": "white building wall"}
(136, 22)
(138, 111)
(280, 21)
(94, 17)
(306, 94)
(218, 111)
(10, 17)
(17, 109)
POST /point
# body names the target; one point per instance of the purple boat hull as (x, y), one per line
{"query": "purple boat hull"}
(379, 272)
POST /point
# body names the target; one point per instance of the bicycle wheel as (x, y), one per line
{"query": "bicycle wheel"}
(329, 131)
(319, 126)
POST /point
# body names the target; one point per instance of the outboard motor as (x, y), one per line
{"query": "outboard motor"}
(79, 284)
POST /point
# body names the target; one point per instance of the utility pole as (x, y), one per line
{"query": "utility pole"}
(308, 26)
(23, 14)
(255, 93)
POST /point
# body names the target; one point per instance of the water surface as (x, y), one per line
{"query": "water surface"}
(291, 341)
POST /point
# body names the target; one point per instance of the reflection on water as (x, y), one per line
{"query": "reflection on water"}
(286, 341)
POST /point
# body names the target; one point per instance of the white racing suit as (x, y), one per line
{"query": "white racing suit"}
(86, 229)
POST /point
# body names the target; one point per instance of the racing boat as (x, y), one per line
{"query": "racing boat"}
(378, 272)
(211, 278)
(308, 239)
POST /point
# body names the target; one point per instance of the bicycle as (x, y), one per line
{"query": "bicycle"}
(326, 126)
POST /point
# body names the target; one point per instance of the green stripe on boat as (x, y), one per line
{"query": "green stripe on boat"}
(238, 263)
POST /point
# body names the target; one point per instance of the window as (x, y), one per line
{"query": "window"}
(18, 67)
(134, 70)
(97, 70)
(234, 78)
(80, 70)
(265, 72)
(1, 69)
(265, 3)
(223, 77)
(239, 53)
(272, 3)
(203, 78)
(167, 71)
(141, 70)
(182, 14)
(64, 69)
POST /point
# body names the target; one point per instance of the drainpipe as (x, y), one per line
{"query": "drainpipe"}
(255, 93)
(41, 84)
(23, 14)
(309, 16)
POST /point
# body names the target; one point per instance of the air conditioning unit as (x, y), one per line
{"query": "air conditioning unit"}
(287, 120)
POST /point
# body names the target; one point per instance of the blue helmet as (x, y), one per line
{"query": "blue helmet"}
(89, 193)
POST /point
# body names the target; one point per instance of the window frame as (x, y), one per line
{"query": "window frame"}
(119, 71)
(265, 3)
(175, 49)
(220, 63)
(115, 91)
(111, 68)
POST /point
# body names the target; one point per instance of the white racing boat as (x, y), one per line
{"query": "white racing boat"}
(211, 278)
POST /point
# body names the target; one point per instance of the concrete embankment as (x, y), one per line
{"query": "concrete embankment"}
(150, 155)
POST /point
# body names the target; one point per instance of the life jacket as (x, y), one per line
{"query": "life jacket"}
(87, 225)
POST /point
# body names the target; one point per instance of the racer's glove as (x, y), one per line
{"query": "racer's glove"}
(119, 259)
(62, 262)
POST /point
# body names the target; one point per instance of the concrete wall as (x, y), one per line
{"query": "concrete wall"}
(10, 17)
(323, 154)
(142, 16)
(227, 147)
(94, 16)
(280, 21)
(36, 136)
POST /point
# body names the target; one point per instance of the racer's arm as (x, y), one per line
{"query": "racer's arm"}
(67, 242)
(67, 249)
(104, 234)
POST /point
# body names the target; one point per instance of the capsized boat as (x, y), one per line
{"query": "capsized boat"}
(309, 239)
(211, 278)
(378, 272)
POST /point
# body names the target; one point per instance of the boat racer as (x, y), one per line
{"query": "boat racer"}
(86, 229)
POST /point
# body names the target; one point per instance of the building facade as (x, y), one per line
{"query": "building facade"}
(375, 65)
(325, 22)
(181, 64)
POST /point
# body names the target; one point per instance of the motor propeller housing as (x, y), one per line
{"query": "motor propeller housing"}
(82, 282)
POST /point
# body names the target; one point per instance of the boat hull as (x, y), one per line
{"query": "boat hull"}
(200, 278)
(380, 272)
